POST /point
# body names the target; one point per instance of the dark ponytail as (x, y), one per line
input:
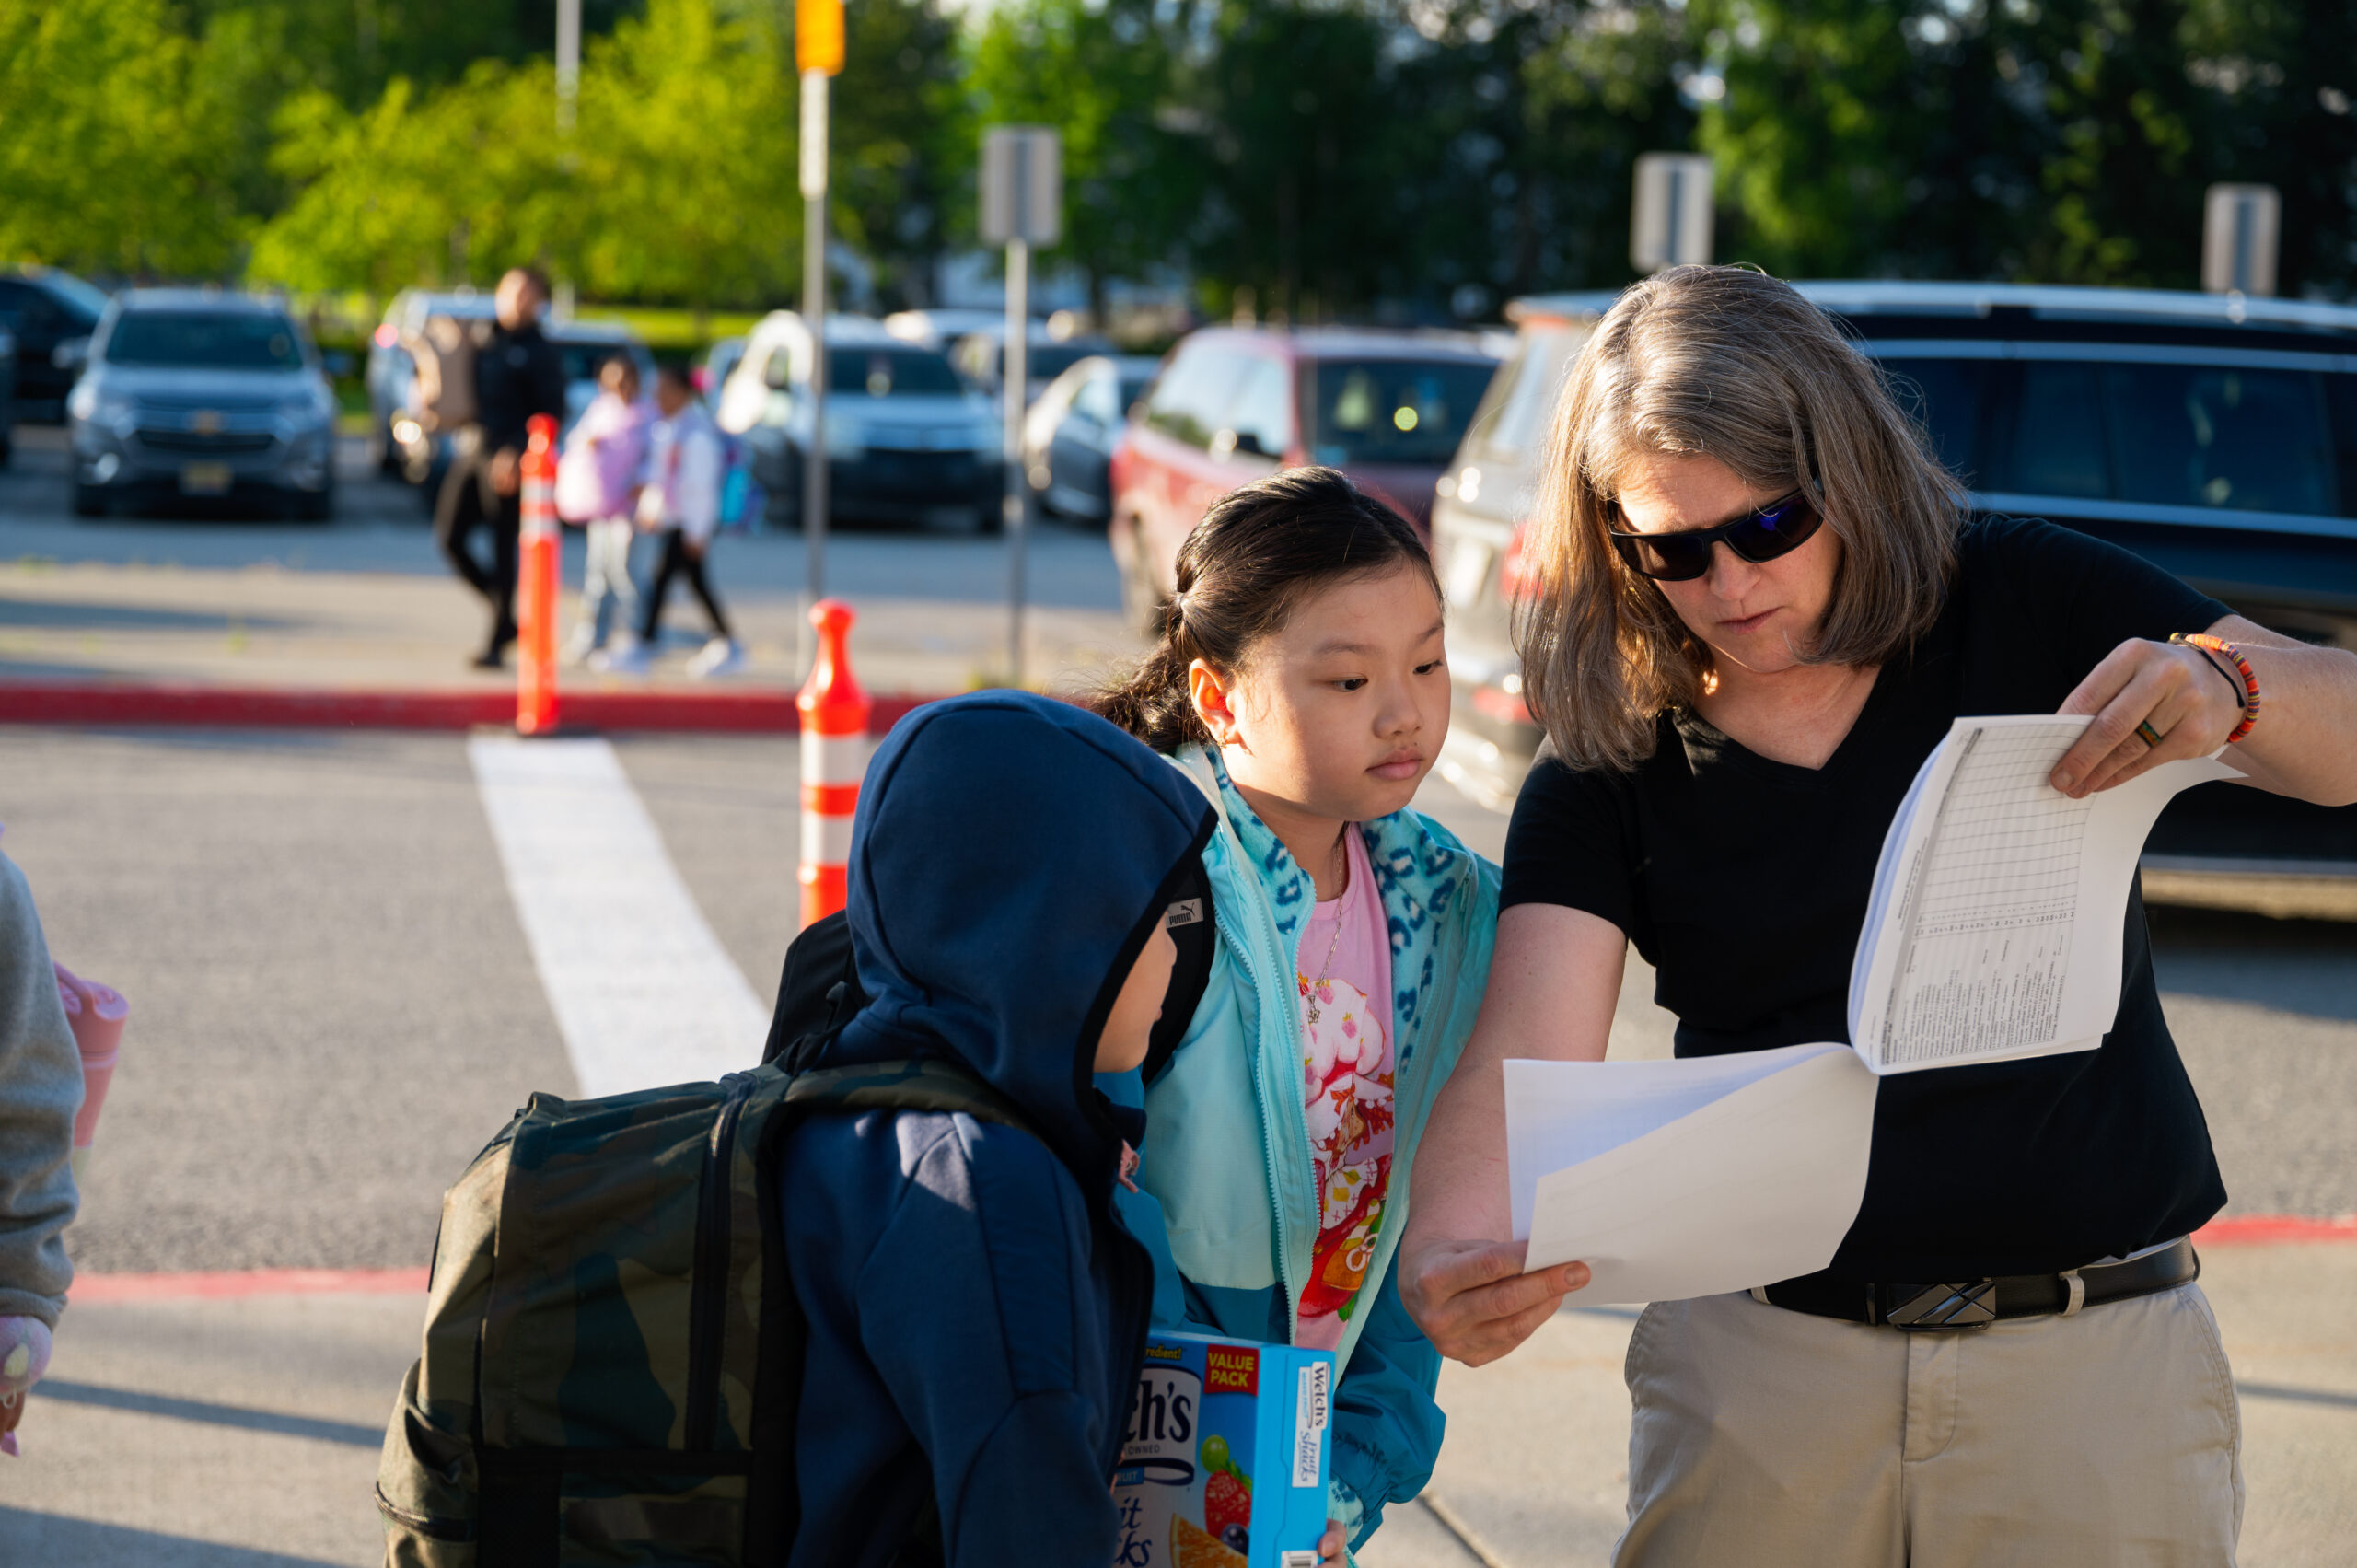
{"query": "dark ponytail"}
(1260, 550)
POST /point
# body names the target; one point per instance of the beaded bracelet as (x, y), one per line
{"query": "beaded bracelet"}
(2250, 680)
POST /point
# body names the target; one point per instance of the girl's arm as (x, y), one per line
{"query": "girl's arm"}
(1554, 982)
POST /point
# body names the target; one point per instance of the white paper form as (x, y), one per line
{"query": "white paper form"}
(1678, 1178)
(1995, 931)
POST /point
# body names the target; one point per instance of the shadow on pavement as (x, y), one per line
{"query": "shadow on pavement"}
(47, 1538)
(2291, 966)
(79, 615)
(205, 1411)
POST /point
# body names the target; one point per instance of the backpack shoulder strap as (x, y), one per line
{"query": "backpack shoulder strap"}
(924, 1085)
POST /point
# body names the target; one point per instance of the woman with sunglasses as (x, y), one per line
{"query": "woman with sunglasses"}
(1760, 607)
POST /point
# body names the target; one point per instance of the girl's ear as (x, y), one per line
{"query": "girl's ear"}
(1214, 703)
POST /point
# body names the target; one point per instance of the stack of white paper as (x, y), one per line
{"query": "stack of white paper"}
(1993, 933)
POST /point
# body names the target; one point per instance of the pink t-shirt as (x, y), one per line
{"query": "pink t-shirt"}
(1346, 1089)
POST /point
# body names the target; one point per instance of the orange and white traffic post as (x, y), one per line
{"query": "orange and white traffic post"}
(834, 757)
(536, 581)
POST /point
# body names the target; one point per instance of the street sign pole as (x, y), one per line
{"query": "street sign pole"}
(2240, 227)
(1022, 206)
(1669, 221)
(817, 55)
(813, 313)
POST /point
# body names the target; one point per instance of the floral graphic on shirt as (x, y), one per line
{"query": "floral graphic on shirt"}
(1346, 1096)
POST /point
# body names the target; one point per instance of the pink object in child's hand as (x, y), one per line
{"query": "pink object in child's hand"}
(24, 1356)
(95, 1013)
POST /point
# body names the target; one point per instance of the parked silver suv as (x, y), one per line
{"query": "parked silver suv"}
(195, 395)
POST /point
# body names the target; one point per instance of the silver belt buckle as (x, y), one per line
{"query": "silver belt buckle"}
(1971, 1303)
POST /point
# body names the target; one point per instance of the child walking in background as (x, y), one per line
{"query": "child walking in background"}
(681, 504)
(40, 1089)
(976, 1311)
(596, 486)
(1300, 683)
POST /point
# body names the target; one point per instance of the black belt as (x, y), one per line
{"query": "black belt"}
(1976, 1304)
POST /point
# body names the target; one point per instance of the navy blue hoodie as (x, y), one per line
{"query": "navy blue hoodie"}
(977, 1312)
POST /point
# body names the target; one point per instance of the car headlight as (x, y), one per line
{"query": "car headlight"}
(305, 409)
(112, 411)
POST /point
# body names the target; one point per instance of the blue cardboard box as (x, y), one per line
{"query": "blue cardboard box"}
(1224, 1461)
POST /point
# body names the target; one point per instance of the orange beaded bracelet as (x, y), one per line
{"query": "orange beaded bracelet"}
(2250, 680)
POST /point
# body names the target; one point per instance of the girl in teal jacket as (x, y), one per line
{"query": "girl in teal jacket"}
(1300, 683)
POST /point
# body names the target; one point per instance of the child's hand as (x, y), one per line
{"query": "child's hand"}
(1129, 1167)
(1331, 1549)
(24, 1356)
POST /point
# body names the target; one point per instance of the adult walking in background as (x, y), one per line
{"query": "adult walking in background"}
(680, 503)
(1760, 606)
(518, 374)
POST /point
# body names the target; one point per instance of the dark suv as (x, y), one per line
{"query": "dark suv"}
(2215, 437)
(44, 310)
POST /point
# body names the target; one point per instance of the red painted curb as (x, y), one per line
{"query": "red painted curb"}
(262, 707)
(2250, 1228)
(235, 1283)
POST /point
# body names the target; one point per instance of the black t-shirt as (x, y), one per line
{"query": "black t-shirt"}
(1745, 882)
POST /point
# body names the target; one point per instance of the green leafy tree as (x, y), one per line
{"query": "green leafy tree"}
(900, 174)
(1103, 73)
(112, 152)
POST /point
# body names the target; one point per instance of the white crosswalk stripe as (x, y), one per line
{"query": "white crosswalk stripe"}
(642, 992)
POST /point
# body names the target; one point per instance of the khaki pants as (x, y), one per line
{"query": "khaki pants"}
(1766, 1437)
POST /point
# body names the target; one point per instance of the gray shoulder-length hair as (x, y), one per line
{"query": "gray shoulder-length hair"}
(1730, 364)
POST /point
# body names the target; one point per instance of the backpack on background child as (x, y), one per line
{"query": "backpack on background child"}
(871, 1303)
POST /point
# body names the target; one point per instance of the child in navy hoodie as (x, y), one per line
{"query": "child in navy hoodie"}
(977, 1313)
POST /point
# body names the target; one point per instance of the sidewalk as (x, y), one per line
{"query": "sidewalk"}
(159, 1412)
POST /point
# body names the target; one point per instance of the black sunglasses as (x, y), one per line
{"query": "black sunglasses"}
(1777, 529)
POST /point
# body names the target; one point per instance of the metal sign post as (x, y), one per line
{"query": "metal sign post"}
(2240, 226)
(1022, 205)
(1670, 225)
(818, 54)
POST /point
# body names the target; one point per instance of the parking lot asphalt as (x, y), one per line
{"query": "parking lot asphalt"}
(335, 1003)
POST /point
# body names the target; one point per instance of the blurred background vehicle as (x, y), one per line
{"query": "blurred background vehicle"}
(719, 362)
(46, 310)
(195, 394)
(941, 327)
(1232, 404)
(906, 440)
(8, 395)
(2216, 437)
(1069, 434)
(981, 357)
(393, 371)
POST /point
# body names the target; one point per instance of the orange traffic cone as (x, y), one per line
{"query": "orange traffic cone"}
(834, 757)
(536, 590)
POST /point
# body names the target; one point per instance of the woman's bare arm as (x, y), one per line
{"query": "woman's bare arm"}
(1554, 980)
(2305, 744)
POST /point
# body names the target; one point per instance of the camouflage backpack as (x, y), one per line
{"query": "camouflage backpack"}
(613, 1356)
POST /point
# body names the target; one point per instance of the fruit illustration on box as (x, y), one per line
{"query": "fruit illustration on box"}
(1224, 1459)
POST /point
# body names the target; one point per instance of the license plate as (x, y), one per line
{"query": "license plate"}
(206, 479)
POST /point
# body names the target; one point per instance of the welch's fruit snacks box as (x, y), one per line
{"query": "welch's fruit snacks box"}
(1224, 1463)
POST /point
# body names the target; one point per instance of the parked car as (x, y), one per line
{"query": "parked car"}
(7, 396)
(941, 327)
(719, 362)
(1233, 405)
(50, 315)
(2215, 437)
(392, 372)
(981, 357)
(906, 441)
(1069, 434)
(196, 394)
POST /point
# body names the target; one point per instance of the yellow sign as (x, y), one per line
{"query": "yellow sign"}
(818, 35)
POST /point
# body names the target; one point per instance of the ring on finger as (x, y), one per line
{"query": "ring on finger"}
(2148, 734)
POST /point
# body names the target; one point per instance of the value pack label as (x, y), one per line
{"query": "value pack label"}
(1225, 1460)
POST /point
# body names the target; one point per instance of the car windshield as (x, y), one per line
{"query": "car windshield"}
(891, 372)
(1044, 362)
(214, 340)
(1391, 411)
